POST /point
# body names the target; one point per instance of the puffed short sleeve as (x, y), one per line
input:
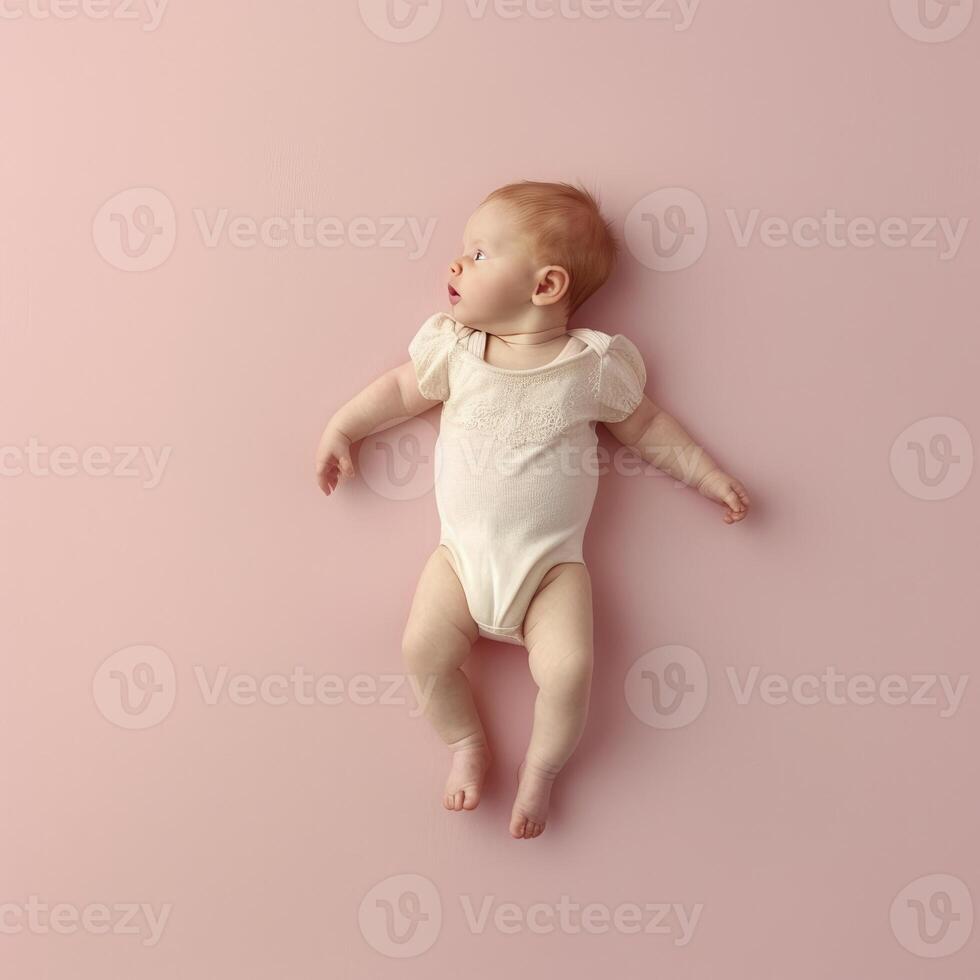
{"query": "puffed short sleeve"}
(429, 350)
(622, 378)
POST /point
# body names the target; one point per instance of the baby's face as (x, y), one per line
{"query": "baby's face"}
(493, 281)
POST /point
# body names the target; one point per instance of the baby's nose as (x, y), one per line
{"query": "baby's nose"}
(455, 267)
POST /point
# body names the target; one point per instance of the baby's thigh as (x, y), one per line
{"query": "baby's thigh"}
(558, 624)
(440, 631)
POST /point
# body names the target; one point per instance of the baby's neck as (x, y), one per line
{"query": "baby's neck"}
(534, 330)
(499, 353)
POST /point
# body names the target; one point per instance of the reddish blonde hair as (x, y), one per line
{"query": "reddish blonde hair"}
(566, 228)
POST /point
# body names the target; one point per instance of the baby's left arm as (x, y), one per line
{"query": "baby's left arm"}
(658, 438)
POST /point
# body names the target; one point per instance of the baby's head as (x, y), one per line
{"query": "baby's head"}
(533, 253)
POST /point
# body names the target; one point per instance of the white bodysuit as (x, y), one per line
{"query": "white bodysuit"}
(516, 469)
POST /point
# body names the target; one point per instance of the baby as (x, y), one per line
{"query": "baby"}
(516, 471)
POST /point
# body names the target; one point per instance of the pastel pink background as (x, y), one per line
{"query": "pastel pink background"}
(264, 826)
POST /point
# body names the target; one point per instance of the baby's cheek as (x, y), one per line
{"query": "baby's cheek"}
(513, 287)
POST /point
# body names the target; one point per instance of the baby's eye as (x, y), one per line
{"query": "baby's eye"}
(478, 254)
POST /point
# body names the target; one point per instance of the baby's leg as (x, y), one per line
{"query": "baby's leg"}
(558, 636)
(437, 639)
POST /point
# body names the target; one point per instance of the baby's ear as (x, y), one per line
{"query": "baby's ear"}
(552, 286)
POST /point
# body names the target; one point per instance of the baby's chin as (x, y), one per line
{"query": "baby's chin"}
(468, 318)
(460, 315)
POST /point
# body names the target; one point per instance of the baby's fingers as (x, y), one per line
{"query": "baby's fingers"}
(327, 479)
(731, 499)
(737, 506)
(327, 473)
(330, 471)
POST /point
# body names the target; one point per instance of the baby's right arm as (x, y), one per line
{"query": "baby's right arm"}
(388, 400)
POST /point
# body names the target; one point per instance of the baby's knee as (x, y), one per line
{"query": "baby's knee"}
(423, 655)
(567, 680)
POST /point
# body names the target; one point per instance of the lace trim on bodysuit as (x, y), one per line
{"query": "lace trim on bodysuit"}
(507, 414)
(516, 407)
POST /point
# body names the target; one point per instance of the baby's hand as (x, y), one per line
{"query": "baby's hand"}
(726, 490)
(332, 459)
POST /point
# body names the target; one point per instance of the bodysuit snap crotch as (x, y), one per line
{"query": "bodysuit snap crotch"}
(506, 634)
(516, 472)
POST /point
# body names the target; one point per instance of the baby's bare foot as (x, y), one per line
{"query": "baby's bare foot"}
(530, 811)
(470, 760)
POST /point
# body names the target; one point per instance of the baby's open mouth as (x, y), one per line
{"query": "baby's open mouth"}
(454, 296)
